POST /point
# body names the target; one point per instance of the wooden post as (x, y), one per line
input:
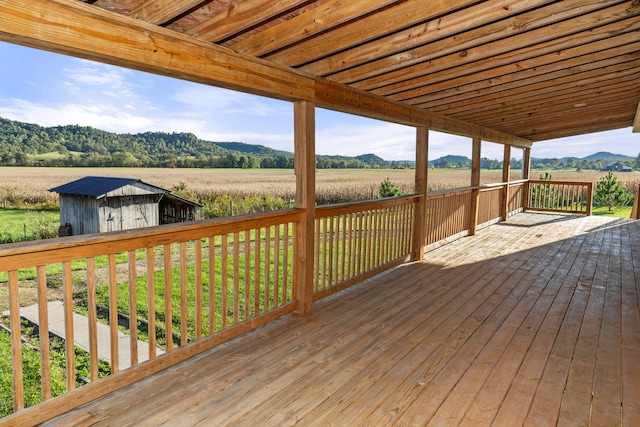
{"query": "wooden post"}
(506, 172)
(635, 214)
(526, 170)
(305, 170)
(475, 183)
(526, 163)
(589, 198)
(422, 167)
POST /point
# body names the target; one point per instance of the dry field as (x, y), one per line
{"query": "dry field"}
(332, 184)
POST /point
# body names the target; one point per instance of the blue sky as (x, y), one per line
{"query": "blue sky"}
(51, 89)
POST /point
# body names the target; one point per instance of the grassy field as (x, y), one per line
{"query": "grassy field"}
(19, 224)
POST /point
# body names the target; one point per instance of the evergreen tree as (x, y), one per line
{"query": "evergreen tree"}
(389, 188)
(610, 193)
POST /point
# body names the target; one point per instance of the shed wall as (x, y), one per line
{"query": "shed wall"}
(81, 212)
(125, 213)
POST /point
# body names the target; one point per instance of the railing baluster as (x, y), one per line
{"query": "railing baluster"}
(225, 280)
(168, 293)
(93, 318)
(247, 274)
(236, 278)
(267, 268)
(113, 313)
(133, 308)
(67, 283)
(256, 279)
(212, 284)
(197, 247)
(286, 292)
(43, 327)
(151, 301)
(184, 317)
(16, 341)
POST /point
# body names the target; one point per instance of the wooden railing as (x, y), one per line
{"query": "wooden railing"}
(559, 196)
(190, 286)
(489, 203)
(358, 240)
(516, 196)
(177, 290)
(447, 214)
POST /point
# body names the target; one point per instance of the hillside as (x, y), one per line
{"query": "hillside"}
(26, 144)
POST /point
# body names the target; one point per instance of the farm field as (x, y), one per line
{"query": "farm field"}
(331, 184)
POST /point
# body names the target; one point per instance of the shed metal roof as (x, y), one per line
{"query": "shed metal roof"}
(93, 186)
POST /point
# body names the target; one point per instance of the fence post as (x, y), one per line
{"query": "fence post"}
(305, 169)
(419, 220)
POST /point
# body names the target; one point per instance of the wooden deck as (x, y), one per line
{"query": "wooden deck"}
(531, 322)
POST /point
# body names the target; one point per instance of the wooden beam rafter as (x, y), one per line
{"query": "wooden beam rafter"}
(402, 15)
(305, 25)
(422, 62)
(239, 16)
(527, 69)
(161, 11)
(424, 33)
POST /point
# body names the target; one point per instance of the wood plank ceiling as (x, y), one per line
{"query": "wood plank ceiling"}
(537, 69)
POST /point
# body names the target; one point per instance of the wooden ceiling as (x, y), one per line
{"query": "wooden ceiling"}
(534, 69)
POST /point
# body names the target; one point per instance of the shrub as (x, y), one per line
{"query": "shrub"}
(610, 193)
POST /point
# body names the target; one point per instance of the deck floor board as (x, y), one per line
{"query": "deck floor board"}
(534, 321)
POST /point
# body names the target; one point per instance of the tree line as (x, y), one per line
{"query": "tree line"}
(25, 144)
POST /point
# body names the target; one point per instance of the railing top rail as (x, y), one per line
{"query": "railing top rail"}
(543, 181)
(451, 191)
(502, 184)
(41, 252)
(344, 208)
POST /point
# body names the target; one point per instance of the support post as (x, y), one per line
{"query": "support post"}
(526, 170)
(475, 183)
(305, 170)
(506, 172)
(422, 167)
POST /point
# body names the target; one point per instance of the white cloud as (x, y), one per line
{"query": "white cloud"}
(619, 141)
(207, 99)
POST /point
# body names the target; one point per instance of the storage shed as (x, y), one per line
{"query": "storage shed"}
(96, 204)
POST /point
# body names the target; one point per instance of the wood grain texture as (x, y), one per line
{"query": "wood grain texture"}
(533, 321)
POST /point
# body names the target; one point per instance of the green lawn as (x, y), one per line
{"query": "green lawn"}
(17, 225)
(624, 212)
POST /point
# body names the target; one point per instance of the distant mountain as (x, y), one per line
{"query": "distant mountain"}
(449, 159)
(252, 149)
(370, 159)
(605, 155)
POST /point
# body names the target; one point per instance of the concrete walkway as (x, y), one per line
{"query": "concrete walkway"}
(81, 334)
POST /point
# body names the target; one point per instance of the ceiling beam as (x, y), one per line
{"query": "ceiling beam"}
(74, 28)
